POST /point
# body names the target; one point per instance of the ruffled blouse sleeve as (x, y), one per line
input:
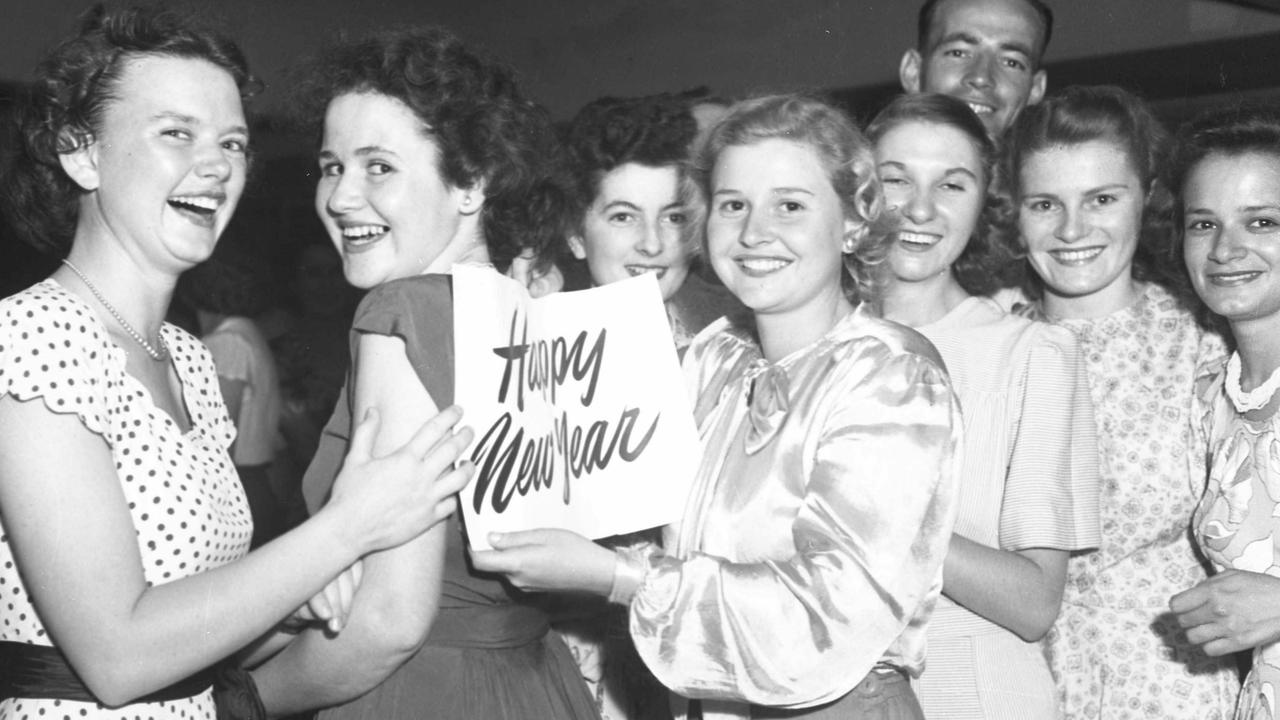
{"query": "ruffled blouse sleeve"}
(1052, 486)
(875, 479)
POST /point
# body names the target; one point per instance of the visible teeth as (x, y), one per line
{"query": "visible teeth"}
(763, 264)
(918, 238)
(635, 270)
(200, 203)
(980, 109)
(361, 231)
(1077, 255)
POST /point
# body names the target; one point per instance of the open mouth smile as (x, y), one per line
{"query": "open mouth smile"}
(199, 209)
(1077, 256)
(752, 266)
(358, 238)
(637, 270)
(1233, 279)
(917, 241)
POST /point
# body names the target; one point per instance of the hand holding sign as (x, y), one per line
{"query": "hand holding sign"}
(580, 411)
(549, 560)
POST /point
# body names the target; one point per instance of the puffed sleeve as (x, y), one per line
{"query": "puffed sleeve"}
(1052, 484)
(869, 538)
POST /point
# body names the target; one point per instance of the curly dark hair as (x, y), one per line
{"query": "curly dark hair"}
(64, 111)
(1240, 129)
(485, 129)
(1086, 113)
(610, 132)
(846, 156)
(980, 264)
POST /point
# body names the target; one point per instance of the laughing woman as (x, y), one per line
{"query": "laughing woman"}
(125, 530)
(429, 156)
(801, 575)
(1029, 488)
(1094, 216)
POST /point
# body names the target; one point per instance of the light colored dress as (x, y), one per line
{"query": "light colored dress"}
(1030, 480)
(810, 550)
(1237, 522)
(1116, 651)
(184, 497)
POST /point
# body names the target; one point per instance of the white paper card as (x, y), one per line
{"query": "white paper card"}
(580, 412)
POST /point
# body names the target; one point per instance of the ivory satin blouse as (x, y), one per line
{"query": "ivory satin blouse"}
(811, 546)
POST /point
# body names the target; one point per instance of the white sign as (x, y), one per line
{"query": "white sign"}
(580, 412)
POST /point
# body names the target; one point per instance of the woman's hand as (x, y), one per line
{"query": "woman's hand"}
(332, 605)
(1232, 611)
(549, 560)
(390, 500)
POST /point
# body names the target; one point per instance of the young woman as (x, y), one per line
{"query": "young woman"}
(810, 551)
(638, 211)
(125, 530)
(1227, 178)
(1029, 487)
(429, 157)
(1094, 217)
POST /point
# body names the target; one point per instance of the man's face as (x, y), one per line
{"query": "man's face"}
(983, 52)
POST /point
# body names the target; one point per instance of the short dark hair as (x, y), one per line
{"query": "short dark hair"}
(75, 83)
(1086, 113)
(485, 128)
(924, 25)
(980, 264)
(607, 133)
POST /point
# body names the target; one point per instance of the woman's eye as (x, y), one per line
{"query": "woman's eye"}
(1199, 226)
(621, 218)
(180, 133)
(730, 207)
(235, 145)
(379, 168)
(892, 181)
(791, 206)
(1040, 206)
(331, 169)
(1104, 199)
(677, 218)
(954, 187)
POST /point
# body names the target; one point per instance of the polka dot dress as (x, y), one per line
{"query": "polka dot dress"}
(187, 505)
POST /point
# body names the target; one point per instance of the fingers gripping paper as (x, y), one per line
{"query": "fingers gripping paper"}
(581, 416)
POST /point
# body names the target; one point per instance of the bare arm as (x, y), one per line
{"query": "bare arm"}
(125, 638)
(397, 599)
(1018, 590)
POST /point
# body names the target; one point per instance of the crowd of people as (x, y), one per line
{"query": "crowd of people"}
(985, 390)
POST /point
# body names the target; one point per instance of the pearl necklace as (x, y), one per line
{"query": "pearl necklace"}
(1253, 399)
(159, 351)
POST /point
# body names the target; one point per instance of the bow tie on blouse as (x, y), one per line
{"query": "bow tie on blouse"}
(767, 404)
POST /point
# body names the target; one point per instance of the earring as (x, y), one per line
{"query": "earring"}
(849, 246)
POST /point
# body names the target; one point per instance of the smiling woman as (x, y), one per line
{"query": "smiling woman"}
(125, 531)
(1094, 216)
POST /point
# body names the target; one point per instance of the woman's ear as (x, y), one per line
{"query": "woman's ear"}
(578, 247)
(81, 165)
(854, 232)
(471, 199)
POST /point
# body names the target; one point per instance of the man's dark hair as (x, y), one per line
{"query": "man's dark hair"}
(924, 25)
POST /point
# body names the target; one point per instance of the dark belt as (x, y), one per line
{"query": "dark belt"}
(42, 672)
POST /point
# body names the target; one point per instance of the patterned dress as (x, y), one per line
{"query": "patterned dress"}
(1116, 652)
(183, 493)
(1237, 521)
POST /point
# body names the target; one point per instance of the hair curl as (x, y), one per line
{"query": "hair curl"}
(846, 156)
(1106, 113)
(486, 131)
(75, 84)
(987, 253)
(929, 10)
(654, 131)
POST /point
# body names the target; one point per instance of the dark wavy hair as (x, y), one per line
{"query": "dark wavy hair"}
(654, 131)
(924, 26)
(1241, 129)
(484, 127)
(980, 264)
(844, 152)
(75, 83)
(1085, 113)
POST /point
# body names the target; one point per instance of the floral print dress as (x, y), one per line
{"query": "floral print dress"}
(1115, 650)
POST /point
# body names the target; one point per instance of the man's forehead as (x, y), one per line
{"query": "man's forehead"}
(1012, 23)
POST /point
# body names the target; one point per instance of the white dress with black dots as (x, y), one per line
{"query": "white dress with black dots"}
(187, 505)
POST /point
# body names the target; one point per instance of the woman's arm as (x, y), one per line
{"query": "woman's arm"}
(1019, 590)
(72, 533)
(400, 591)
(870, 536)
